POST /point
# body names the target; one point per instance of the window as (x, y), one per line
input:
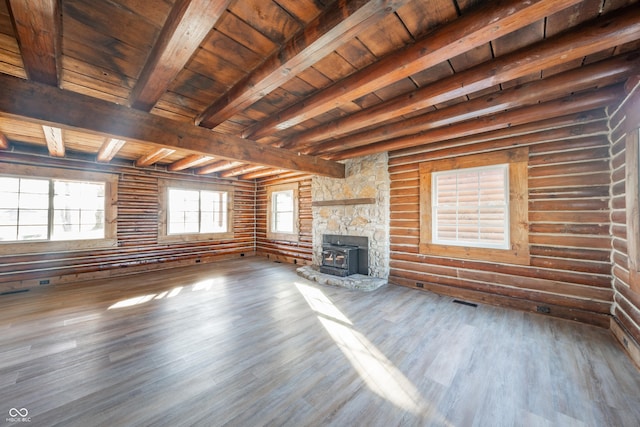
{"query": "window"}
(471, 207)
(475, 207)
(197, 211)
(282, 216)
(37, 210)
(632, 156)
(194, 211)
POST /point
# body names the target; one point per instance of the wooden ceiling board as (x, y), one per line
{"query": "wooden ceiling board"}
(267, 17)
(572, 16)
(72, 78)
(610, 5)
(421, 17)
(396, 89)
(196, 86)
(240, 56)
(471, 58)
(130, 28)
(298, 87)
(334, 67)
(96, 73)
(5, 21)
(127, 67)
(212, 66)
(433, 74)
(314, 77)
(10, 58)
(243, 33)
(518, 39)
(385, 36)
(304, 10)
(81, 88)
(368, 100)
(19, 130)
(153, 11)
(356, 53)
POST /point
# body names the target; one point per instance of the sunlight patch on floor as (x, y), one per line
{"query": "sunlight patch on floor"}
(129, 302)
(379, 373)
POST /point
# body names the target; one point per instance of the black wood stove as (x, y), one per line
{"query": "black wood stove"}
(344, 255)
(339, 260)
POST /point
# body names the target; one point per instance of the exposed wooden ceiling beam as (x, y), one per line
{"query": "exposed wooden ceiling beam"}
(109, 149)
(476, 28)
(603, 73)
(262, 173)
(154, 156)
(41, 104)
(189, 162)
(55, 142)
(184, 30)
(598, 35)
(343, 21)
(37, 25)
(503, 122)
(240, 170)
(530, 134)
(4, 142)
(217, 167)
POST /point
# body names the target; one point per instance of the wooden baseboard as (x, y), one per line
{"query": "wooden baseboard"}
(18, 286)
(630, 346)
(284, 258)
(541, 308)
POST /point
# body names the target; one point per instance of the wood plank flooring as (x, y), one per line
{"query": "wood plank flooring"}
(249, 343)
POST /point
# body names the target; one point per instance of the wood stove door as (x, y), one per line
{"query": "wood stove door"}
(328, 258)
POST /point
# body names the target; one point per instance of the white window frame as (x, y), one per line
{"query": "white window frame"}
(504, 168)
(55, 174)
(164, 185)
(271, 214)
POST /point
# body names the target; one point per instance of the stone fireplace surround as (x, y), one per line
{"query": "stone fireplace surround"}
(357, 205)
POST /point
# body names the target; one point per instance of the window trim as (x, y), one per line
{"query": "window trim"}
(632, 164)
(110, 210)
(518, 253)
(163, 198)
(295, 235)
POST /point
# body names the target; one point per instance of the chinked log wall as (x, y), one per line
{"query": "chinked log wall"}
(300, 252)
(569, 274)
(137, 233)
(626, 310)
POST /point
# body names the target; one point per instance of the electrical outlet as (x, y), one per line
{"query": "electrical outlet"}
(419, 285)
(44, 282)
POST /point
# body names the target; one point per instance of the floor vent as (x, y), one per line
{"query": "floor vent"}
(470, 304)
(17, 291)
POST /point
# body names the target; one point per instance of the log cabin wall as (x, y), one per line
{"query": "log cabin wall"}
(569, 272)
(624, 123)
(137, 248)
(300, 252)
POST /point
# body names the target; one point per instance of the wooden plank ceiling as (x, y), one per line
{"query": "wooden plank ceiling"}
(253, 88)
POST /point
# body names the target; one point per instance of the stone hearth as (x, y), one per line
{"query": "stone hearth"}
(355, 281)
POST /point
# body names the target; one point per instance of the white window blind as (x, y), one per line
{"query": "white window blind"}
(470, 207)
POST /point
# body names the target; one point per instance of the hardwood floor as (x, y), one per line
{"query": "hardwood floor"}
(249, 343)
